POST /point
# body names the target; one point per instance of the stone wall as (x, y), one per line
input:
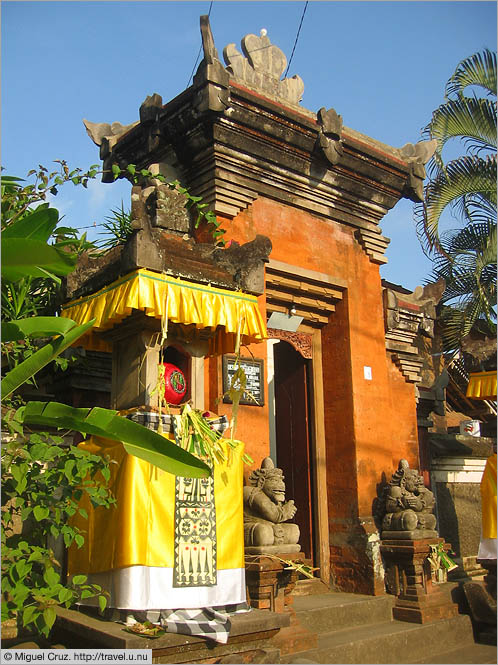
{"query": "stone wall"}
(457, 464)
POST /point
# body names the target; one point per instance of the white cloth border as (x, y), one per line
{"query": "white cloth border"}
(151, 588)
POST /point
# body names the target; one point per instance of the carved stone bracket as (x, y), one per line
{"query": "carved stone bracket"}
(329, 139)
(417, 156)
(261, 68)
(301, 342)
(374, 244)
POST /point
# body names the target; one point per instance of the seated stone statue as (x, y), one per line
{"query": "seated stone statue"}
(266, 511)
(408, 505)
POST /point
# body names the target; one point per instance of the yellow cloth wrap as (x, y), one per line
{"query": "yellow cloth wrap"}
(139, 530)
(482, 385)
(488, 498)
(163, 296)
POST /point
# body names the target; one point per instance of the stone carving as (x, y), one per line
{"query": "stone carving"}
(408, 506)
(163, 206)
(261, 68)
(100, 130)
(416, 156)
(329, 138)
(418, 153)
(266, 512)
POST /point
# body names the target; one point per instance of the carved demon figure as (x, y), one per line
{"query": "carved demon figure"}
(266, 511)
(408, 503)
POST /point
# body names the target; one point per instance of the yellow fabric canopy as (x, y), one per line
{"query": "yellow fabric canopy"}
(173, 299)
(482, 385)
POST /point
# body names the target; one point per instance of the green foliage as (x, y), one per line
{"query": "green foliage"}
(468, 265)
(32, 267)
(465, 257)
(466, 184)
(26, 369)
(42, 483)
(117, 228)
(137, 440)
(17, 196)
(43, 480)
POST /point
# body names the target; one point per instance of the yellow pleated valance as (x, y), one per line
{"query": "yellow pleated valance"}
(165, 297)
(482, 385)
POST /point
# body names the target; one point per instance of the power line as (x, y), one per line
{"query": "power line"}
(297, 37)
(200, 49)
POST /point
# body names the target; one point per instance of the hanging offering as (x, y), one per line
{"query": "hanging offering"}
(175, 384)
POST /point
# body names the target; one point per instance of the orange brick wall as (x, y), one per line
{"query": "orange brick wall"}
(369, 424)
(379, 414)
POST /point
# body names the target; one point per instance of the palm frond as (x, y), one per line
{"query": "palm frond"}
(478, 69)
(468, 182)
(467, 118)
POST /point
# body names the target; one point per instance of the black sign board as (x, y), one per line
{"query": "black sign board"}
(253, 368)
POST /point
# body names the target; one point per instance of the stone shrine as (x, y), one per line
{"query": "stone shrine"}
(300, 197)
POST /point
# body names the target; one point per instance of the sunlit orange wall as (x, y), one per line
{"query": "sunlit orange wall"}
(370, 424)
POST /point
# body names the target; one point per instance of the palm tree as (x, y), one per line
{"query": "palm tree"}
(467, 183)
(465, 257)
(467, 263)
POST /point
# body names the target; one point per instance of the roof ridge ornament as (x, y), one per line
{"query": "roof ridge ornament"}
(262, 67)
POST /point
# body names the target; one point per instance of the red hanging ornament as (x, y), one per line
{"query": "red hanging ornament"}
(175, 384)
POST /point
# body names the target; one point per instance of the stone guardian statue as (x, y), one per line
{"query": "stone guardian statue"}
(267, 513)
(408, 506)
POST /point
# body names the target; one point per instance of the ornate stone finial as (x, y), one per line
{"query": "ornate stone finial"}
(99, 130)
(211, 79)
(408, 506)
(210, 51)
(416, 156)
(265, 511)
(261, 68)
(329, 138)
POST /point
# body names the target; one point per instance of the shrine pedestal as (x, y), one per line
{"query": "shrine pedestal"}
(409, 578)
(269, 583)
(269, 586)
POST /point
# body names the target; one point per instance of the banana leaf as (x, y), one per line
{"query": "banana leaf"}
(37, 224)
(22, 257)
(36, 326)
(29, 367)
(137, 440)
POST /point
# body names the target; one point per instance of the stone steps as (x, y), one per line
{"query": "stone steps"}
(332, 611)
(476, 653)
(360, 629)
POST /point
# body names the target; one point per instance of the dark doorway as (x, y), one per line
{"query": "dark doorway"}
(292, 425)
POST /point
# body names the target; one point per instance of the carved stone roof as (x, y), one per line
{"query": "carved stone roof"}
(238, 133)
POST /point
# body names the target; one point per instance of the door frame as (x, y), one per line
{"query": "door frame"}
(312, 350)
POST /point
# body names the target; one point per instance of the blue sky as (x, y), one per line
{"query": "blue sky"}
(381, 65)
